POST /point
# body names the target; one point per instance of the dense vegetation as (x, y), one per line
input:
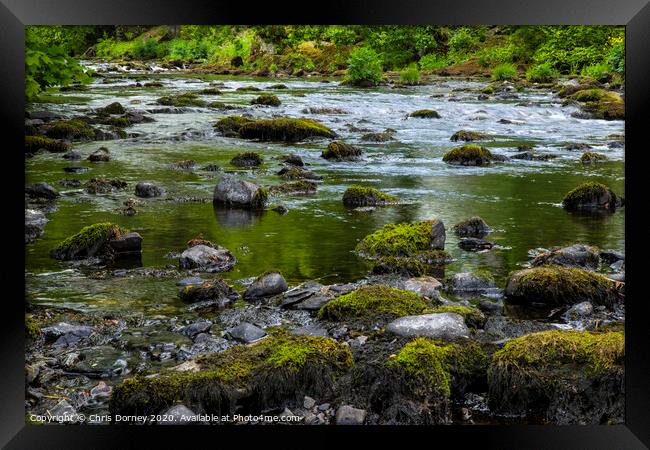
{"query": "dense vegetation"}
(538, 53)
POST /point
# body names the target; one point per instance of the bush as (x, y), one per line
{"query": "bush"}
(364, 67)
(433, 61)
(410, 75)
(146, 49)
(616, 57)
(600, 72)
(541, 73)
(463, 41)
(495, 55)
(504, 72)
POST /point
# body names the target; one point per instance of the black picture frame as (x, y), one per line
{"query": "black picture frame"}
(634, 14)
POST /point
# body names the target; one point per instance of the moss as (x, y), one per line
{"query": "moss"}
(373, 302)
(230, 126)
(261, 197)
(35, 143)
(120, 122)
(278, 86)
(32, 330)
(592, 157)
(560, 285)
(209, 91)
(423, 263)
(340, 151)
(469, 155)
(425, 114)
(248, 89)
(113, 108)
(103, 185)
(589, 195)
(248, 159)
(488, 90)
(602, 104)
(272, 371)
(90, 241)
(474, 318)
(440, 367)
(467, 136)
(405, 239)
(296, 187)
(596, 352)
(73, 129)
(187, 99)
(294, 173)
(363, 196)
(284, 129)
(267, 100)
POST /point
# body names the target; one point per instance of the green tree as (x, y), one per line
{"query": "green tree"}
(364, 67)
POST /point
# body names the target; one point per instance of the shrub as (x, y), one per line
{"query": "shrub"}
(364, 67)
(505, 71)
(600, 72)
(410, 75)
(541, 73)
(462, 40)
(433, 61)
(616, 57)
(146, 49)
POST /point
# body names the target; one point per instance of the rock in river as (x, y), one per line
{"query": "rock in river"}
(472, 227)
(213, 290)
(246, 333)
(445, 326)
(208, 259)
(231, 191)
(146, 190)
(266, 285)
(41, 191)
(577, 255)
(475, 244)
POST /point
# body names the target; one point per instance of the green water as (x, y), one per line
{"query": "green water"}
(316, 239)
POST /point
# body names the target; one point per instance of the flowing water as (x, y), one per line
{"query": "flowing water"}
(519, 199)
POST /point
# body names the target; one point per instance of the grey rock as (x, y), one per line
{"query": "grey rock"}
(311, 330)
(189, 281)
(196, 328)
(127, 243)
(179, 415)
(266, 285)
(472, 227)
(577, 255)
(489, 307)
(73, 155)
(446, 326)
(438, 235)
(62, 410)
(41, 191)
(208, 259)
(348, 415)
(424, 286)
(34, 224)
(102, 390)
(231, 191)
(579, 311)
(63, 328)
(147, 190)
(466, 281)
(246, 332)
(314, 303)
(308, 402)
(100, 155)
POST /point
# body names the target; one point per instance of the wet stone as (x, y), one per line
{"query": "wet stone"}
(246, 333)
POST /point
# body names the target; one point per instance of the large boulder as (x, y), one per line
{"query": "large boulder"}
(444, 326)
(356, 196)
(41, 191)
(405, 239)
(127, 243)
(208, 259)
(146, 190)
(472, 227)
(92, 241)
(563, 377)
(577, 255)
(591, 196)
(234, 192)
(266, 285)
(555, 285)
(470, 155)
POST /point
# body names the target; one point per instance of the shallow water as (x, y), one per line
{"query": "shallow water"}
(520, 200)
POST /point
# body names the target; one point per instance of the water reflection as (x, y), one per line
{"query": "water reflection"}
(235, 218)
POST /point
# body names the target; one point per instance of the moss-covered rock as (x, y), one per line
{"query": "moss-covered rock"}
(102, 154)
(372, 303)
(247, 159)
(284, 129)
(248, 89)
(71, 130)
(278, 86)
(113, 108)
(564, 377)
(555, 285)
(230, 126)
(591, 196)
(36, 143)
(384, 136)
(468, 136)
(472, 227)
(104, 185)
(356, 196)
(592, 157)
(277, 370)
(210, 91)
(474, 317)
(187, 99)
(340, 151)
(296, 187)
(405, 239)
(601, 104)
(425, 114)
(423, 263)
(209, 290)
(469, 155)
(32, 330)
(298, 173)
(267, 100)
(92, 240)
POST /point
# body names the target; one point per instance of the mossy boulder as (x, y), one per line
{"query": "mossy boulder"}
(423, 263)
(356, 196)
(577, 255)
(591, 196)
(104, 185)
(71, 130)
(284, 129)
(187, 99)
(93, 240)
(469, 155)
(269, 374)
(113, 108)
(375, 302)
(405, 239)
(468, 136)
(384, 136)
(248, 89)
(300, 187)
(230, 126)
(210, 91)
(601, 104)
(592, 157)
(266, 100)
(215, 290)
(102, 154)
(472, 227)
(562, 377)
(36, 143)
(247, 159)
(425, 114)
(298, 173)
(340, 151)
(555, 285)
